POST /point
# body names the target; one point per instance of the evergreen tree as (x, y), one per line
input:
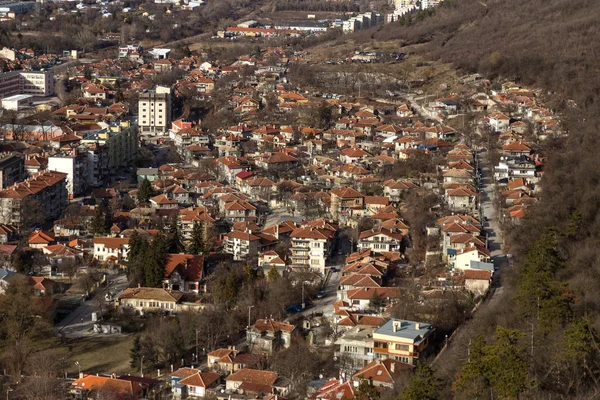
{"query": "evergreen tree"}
(500, 366)
(197, 242)
(366, 391)
(540, 295)
(156, 259)
(273, 274)
(135, 353)
(97, 227)
(174, 242)
(108, 219)
(138, 249)
(145, 191)
(423, 385)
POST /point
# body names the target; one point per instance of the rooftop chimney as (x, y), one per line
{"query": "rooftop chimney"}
(417, 326)
(392, 366)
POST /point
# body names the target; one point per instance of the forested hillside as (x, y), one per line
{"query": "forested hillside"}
(551, 301)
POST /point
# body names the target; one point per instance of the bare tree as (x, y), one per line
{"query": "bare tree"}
(85, 39)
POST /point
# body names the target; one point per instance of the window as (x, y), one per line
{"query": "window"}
(402, 347)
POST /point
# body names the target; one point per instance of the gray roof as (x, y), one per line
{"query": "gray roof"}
(478, 265)
(406, 330)
(147, 171)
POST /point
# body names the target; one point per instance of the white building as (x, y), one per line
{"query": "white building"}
(17, 102)
(38, 83)
(110, 248)
(154, 108)
(76, 167)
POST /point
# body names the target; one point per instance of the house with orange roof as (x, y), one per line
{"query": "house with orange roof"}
(144, 299)
(194, 383)
(343, 201)
(107, 249)
(254, 383)
(267, 335)
(271, 259)
(184, 273)
(384, 373)
(335, 390)
(40, 239)
(381, 240)
(104, 387)
(499, 121)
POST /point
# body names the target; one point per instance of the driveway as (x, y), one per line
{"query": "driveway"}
(79, 323)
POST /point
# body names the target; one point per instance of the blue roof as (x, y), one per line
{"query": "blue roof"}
(4, 273)
(406, 329)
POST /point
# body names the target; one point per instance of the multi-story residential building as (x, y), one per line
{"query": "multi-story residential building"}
(312, 245)
(343, 201)
(75, 165)
(154, 108)
(98, 161)
(356, 347)
(401, 340)
(111, 249)
(238, 211)
(243, 245)
(380, 240)
(121, 142)
(12, 169)
(47, 190)
(37, 83)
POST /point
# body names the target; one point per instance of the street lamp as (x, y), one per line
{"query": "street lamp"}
(142, 366)
(78, 366)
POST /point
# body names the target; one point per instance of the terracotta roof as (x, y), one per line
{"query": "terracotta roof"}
(111, 243)
(200, 379)
(41, 237)
(189, 266)
(386, 371)
(146, 293)
(271, 325)
(119, 387)
(346, 193)
(478, 274)
(254, 376)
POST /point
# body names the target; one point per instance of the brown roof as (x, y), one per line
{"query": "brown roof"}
(253, 376)
(271, 325)
(147, 293)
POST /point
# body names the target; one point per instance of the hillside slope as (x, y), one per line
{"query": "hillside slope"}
(554, 45)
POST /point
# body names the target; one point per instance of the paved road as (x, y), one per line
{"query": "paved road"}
(325, 305)
(79, 323)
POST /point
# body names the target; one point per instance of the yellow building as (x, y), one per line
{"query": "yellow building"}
(401, 340)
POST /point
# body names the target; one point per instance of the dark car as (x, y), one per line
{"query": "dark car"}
(294, 308)
(321, 294)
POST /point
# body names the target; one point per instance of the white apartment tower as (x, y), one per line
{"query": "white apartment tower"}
(154, 110)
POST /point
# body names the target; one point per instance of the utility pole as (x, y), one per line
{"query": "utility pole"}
(303, 295)
(142, 366)
(249, 315)
(197, 359)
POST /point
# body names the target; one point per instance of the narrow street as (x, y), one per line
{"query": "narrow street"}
(79, 323)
